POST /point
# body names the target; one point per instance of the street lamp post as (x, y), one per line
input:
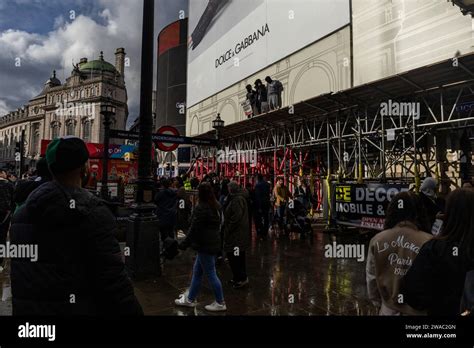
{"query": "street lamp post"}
(143, 231)
(108, 111)
(218, 125)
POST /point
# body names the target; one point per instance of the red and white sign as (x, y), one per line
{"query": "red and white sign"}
(167, 130)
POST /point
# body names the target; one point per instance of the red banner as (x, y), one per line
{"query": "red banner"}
(95, 150)
(118, 170)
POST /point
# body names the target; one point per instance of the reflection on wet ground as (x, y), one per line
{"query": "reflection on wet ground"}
(5, 290)
(288, 276)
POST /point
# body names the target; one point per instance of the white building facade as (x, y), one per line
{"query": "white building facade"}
(69, 108)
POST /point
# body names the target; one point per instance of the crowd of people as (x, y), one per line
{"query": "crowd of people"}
(415, 269)
(264, 98)
(422, 263)
(218, 227)
(40, 208)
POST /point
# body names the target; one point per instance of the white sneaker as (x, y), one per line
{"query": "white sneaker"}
(183, 301)
(216, 307)
(241, 284)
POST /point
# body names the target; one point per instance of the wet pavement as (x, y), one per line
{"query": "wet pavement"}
(5, 290)
(288, 276)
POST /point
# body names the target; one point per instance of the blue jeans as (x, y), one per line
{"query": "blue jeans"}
(205, 263)
(281, 214)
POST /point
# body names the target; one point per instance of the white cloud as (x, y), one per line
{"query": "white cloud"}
(119, 25)
(68, 42)
(3, 108)
(14, 43)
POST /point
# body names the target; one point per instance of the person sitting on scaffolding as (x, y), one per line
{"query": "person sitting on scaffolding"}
(282, 196)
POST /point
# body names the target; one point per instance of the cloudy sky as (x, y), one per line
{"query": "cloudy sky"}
(51, 34)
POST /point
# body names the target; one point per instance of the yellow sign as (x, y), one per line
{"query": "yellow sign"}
(343, 193)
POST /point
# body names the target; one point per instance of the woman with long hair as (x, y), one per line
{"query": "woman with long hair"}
(435, 282)
(392, 251)
(204, 238)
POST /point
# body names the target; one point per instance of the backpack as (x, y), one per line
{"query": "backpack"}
(170, 248)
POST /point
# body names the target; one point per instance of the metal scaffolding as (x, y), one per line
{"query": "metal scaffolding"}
(400, 128)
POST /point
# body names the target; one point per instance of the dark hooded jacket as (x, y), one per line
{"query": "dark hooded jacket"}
(236, 222)
(166, 204)
(204, 232)
(79, 270)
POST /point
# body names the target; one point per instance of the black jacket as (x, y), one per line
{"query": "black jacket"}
(435, 281)
(431, 208)
(262, 196)
(204, 232)
(6, 197)
(79, 270)
(236, 222)
(24, 188)
(166, 201)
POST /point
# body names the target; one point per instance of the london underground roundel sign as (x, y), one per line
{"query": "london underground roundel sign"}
(167, 130)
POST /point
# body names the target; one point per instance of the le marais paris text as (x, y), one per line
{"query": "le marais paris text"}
(236, 171)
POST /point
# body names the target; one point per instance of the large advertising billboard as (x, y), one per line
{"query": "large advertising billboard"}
(230, 40)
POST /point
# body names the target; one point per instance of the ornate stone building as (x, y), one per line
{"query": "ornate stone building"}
(69, 108)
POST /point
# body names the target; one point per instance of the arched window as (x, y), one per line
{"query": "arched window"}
(86, 132)
(35, 139)
(70, 128)
(12, 145)
(55, 131)
(5, 146)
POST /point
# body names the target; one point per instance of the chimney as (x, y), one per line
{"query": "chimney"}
(82, 62)
(120, 60)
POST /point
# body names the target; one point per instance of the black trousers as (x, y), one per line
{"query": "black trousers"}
(238, 266)
(167, 231)
(262, 221)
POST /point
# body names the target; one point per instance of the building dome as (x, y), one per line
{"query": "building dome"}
(53, 81)
(97, 66)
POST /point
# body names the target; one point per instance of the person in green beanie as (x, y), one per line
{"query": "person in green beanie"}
(78, 269)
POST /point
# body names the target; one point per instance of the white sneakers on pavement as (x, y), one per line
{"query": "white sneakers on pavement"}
(183, 301)
(216, 307)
